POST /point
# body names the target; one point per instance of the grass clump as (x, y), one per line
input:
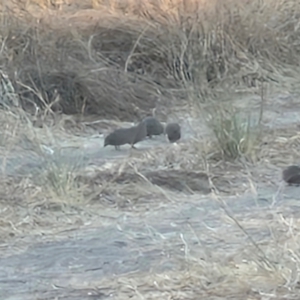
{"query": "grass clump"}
(58, 177)
(236, 135)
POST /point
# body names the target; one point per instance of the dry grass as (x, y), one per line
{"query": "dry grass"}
(121, 66)
(237, 136)
(63, 62)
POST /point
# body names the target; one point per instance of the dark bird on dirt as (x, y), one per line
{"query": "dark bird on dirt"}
(173, 132)
(154, 127)
(131, 136)
(291, 175)
(141, 132)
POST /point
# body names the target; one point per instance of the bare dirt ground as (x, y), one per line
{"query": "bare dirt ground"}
(137, 250)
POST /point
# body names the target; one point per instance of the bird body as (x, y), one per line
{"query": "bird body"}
(154, 127)
(291, 175)
(141, 132)
(122, 136)
(173, 132)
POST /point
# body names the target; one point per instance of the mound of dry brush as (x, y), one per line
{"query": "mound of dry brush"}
(120, 61)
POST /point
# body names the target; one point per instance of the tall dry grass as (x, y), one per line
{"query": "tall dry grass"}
(118, 59)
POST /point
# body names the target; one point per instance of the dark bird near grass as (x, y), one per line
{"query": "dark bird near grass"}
(131, 136)
(173, 131)
(291, 175)
(154, 127)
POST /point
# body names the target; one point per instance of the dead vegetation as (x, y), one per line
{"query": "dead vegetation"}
(65, 62)
(119, 65)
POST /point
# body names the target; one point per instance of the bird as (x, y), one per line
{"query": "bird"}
(291, 175)
(154, 127)
(173, 132)
(131, 136)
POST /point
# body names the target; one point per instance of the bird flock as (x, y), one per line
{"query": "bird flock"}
(148, 127)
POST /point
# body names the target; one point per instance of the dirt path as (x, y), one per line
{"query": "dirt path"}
(85, 256)
(71, 265)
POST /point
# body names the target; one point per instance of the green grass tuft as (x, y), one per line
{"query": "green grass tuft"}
(237, 136)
